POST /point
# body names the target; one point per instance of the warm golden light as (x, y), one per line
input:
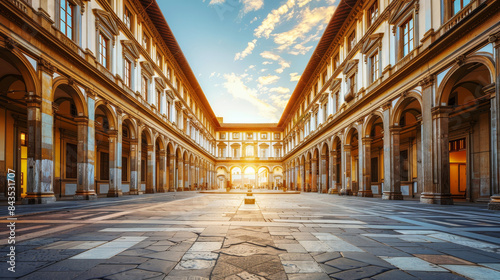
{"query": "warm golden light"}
(23, 139)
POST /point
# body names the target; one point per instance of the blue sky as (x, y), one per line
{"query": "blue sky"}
(248, 54)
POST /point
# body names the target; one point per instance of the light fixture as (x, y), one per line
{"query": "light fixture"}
(23, 139)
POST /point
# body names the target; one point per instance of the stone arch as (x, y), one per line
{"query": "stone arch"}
(21, 63)
(457, 71)
(149, 135)
(73, 91)
(131, 125)
(402, 103)
(370, 121)
(108, 111)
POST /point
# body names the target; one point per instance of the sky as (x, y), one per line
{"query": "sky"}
(248, 55)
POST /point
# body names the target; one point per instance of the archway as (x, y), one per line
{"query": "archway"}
(337, 173)
(106, 137)
(351, 153)
(263, 178)
(129, 158)
(249, 177)
(373, 148)
(277, 175)
(325, 167)
(147, 158)
(236, 177)
(467, 118)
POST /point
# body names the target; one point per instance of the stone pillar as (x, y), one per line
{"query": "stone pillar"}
(427, 172)
(193, 177)
(162, 172)
(440, 193)
(135, 188)
(180, 172)
(150, 176)
(171, 175)
(494, 203)
(114, 181)
(85, 188)
(366, 187)
(307, 176)
(301, 186)
(333, 172)
(394, 189)
(347, 163)
(387, 151)
(324, 185)
(314, 177)
(40, 187)
(187, 177)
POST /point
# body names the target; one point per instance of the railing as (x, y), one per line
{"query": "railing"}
(402, 62)
(457, 18)
(23, 5)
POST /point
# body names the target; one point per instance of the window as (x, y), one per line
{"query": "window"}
(168, 109)
(66, 15)
(144, 87)
(159, 60)
(407, 34)
(351, 83)
(372, 13)
(351, 40)
(127, 72)
(277, 152)
(325, 113)
(127, 19)
(145, 41)
(143, 170)
(324, 77)
(457, 5)
(336, 62)
(263, 135)
(249, 151)
(103, 50)
(249, 135)
(71, 161)
(158, 99)
(223, 135)
(236, 135)
(124, 169)
(169, 73)
(315, 89)
(276, 136)
(235, 152)
(104, 166)
(374, 67)
(263, 153)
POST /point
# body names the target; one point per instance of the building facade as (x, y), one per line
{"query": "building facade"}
(399, 100)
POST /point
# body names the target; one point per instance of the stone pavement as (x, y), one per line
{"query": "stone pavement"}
(216, 236)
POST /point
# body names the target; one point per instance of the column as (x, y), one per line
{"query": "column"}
(162, 172)
(494, 203)
(440, 193)
(85, 159)
(347, 164)
(366, 187)
(387, 150)
(134, 167)
(324, 185)
(40, 187)
(314, 176)
(193, 177)
(427, 85)
(187, 181)
(394, 189)
(114, 187)
(333, 172)
(171, 171)
(150, 176)
(301, 178)
(180, 172)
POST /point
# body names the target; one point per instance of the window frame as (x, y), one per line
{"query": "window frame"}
(402, 36)
(127, 72)
(370, 18)
(107, 55)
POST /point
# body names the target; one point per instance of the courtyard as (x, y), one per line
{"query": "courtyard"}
(190, 235)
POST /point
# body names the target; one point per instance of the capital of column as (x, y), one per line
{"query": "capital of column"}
(81, 120)
(45, 66)
(386, 106)
(441, 112)
(366, 140)
(395, 129)
(347, 147)
(495, 39)
(151, 147)
(33, 100)
(426, 81)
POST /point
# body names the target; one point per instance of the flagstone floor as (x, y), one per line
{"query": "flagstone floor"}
(216, 236)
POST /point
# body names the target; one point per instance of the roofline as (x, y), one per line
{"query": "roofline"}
(340, 15)
(151, 6)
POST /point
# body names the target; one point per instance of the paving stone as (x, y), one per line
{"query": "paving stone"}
(301, 267)
(223, 270)
(71, 265)
(22, 268)
(51, 275)
(104, 270)
(308, 276)
(166, 256)
(359, 273)
(292, 248)
(158, 266)
(474, 272)
(438, 275)
(344, 264)
(412, 264)
(296, 257)
(194, 264)
(134, 274)
(328, 269)
(394, 274)
(324, 257)
(418, 250)
(200, 256)
(385, 251)
(367, 258)
(471, 256)
(443, 259)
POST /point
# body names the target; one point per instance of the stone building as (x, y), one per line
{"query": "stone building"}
(96, 97)
(399, 100)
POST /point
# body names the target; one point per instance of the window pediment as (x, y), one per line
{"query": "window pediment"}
(130, 47)
(335, 84)
(350, 65)
(146, 66)
(160, 82)
(400, 9)
(372, 41)
(105, 19)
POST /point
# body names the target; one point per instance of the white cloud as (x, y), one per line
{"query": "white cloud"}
(248, 50)
(302, 3)
(251, 67)
(252, 5)
(269, 55)
(216, 2)
(253, 20)
(300, 49)
(281, 90)
(294, 77)
(269, 23)
(267, 62)
(267, 80)
(309, 19)
(280, 101)
(237, 88)
(263, 70)
(212, 74)
(284, 64)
